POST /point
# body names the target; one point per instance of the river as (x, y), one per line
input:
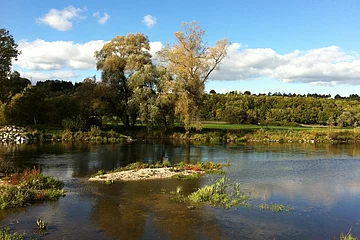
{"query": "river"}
(321, 183)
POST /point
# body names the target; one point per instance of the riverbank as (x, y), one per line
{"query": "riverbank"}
(30, 186)
(209, 135)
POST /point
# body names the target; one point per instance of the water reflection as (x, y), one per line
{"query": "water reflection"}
(135, 210)
(323, 178)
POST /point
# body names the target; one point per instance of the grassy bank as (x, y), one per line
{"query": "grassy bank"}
(213, 133)
(322, 135)
(30, 186)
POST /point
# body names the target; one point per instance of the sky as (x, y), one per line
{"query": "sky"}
(287, 46)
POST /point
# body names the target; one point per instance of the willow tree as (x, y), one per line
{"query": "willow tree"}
(120, 60)
(191, 61)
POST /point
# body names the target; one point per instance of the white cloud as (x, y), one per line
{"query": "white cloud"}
(322, 66)
(154, 48)
(44, 60)
(101, 20)
(61, 20)
(328, 66)
(57, 55)
(149, 21)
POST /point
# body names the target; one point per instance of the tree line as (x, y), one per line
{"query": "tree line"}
(134, 89)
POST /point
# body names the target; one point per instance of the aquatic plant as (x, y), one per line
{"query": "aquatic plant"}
(207, 167)
(274, 207)
(217, 194)
(100, 172)
(110, 181)
(187, 176)
(6, 234)
(40, 224)
(347, 236)
(178, 194)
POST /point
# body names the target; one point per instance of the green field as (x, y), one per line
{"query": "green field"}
(249, 126)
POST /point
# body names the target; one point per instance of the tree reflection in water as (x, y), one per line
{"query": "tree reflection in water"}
(133, 210)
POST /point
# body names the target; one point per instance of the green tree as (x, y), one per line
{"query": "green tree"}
(27, 107)
(8, 52)
(155, 99)
(120, 60)
(191, 61)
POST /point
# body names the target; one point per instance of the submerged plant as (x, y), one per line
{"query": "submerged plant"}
(274, 207)
(178, 195)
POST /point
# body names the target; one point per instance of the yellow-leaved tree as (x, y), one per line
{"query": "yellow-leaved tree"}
(191, 61)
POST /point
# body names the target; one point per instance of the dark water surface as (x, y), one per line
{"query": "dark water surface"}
(321, 182)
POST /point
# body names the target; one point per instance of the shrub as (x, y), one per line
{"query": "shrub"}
(76, 123)
(67, 135)
(95, 131)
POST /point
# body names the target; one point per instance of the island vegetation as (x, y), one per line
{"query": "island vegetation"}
(27, 187)
(161, 170)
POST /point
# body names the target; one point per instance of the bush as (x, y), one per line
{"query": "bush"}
(76, 123)
(67, 135)
(95, 131)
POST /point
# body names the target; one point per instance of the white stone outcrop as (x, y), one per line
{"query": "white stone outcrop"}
(14, 135)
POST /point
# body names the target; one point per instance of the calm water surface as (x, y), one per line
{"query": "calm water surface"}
(321, 182)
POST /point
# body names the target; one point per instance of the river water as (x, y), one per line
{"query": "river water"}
(321, 183)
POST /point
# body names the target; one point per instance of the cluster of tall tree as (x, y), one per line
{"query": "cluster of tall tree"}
(132, 88)
(281, 110)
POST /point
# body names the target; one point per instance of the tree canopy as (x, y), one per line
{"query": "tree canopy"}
(121, 61)
(191, 61)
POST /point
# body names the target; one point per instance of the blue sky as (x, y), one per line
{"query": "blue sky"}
(292, 46)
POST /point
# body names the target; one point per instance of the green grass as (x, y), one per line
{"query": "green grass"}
(207, 167)
(6, 234)
(251, 126)
(219, 194)
(29, 187)
(187, 176)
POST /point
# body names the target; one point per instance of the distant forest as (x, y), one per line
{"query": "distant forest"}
(54, 102)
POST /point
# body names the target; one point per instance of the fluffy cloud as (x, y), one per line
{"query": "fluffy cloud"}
(102, 20)
(41, 60)
(149, 21)
(322, 66)
(57, 55)
(61, 20)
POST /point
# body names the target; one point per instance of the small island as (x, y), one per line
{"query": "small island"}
(144, 171)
